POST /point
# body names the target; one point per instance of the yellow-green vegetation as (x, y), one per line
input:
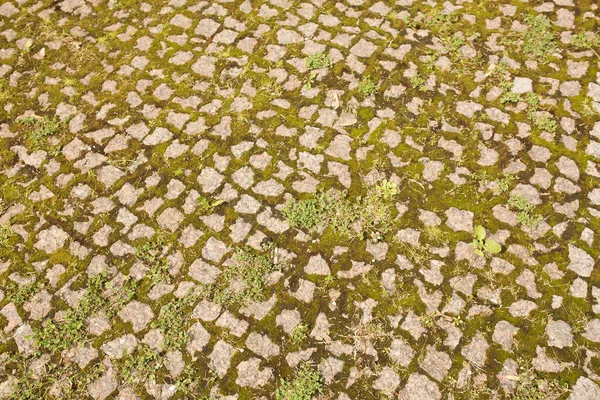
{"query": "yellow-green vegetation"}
(504, 184)
(172, 321)
(367, 87)
(142, 365)
(207, 206)
(151, 252)
(500, 185)
(160, 94)
(526, 214)
(309, 213)
(313, 62)
(310, 80)
(532, 387)
(61, 335)
(21, 293)
(453, 43)
(541, 119)
(435, 234)
(587, 41)
(4, 93)
(66, 382)
(508, 96)
(539, 40)
(371, 214)
(318, 60)
(250, 269)
(482, 244)
(308, 383)
(299, 333)
(40, 129)
(417, 82)
(70, 330)
(145, 364)
(5, 233)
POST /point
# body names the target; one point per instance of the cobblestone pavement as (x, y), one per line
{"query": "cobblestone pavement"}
(298, 200)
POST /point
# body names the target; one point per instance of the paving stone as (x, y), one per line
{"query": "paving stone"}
(436, 363)
(420, 387)
(559, 334)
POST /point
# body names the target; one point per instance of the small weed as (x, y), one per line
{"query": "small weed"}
(587, 42)
(453, 43)
(309, 213)
(252, 269)
(540, 119)
(248, 274)
(481, 244)
(66, 382)
(539, 41)
(481, 177)
(417, 82)
(62, 335)
(172, 321)
(151, 253)
(526, 214)
(318, 60)
(5, 234)
(188, 383)
(299, 333)
(367, 87)
(387, 189)
(584, 41)
(310, 81)
(42, 129)
(503, 184)
(307, 384)
(370, 214)
(206, 206)
(434, 234)
(508, 96)
(270, 88)
(530, 387)
(435, 19)
(141, 366)
(20, 294)
(545, 123)
(458, 321)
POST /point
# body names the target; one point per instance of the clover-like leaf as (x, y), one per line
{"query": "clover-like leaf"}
(479, 232)
(492, 246)
(479, 253)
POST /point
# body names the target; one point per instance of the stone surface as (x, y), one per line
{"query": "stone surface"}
(226, 193)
